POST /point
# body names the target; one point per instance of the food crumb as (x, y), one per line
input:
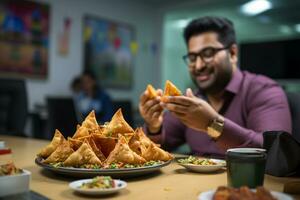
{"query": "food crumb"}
(167, 189)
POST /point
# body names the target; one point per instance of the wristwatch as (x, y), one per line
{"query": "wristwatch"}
(215, 128)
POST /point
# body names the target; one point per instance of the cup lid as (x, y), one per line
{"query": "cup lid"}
(246, 150)
(246, 154)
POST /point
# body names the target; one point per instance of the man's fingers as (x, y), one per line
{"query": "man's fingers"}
(176, 108)
(182, 100)
(144, 97)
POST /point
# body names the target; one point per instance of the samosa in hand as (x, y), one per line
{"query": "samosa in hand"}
(151, 91)
(170, 90)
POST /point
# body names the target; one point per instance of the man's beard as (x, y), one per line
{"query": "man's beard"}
(219, 83)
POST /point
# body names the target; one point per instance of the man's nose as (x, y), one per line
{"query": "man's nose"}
(199, 63)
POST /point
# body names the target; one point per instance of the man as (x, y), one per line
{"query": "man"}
(231, 108)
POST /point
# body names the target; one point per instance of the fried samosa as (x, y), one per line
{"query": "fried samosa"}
(122, 153)
(139, 141)
(117, 125)
(61, 153)
(50, 148)
(90, 122)
(151, 91)
(106, 144)
(170, 90)
(82, 131)
(83, 155)
(97, 150)
(155, 153)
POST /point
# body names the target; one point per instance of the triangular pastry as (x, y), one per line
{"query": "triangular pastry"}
(170, 90)
(50, 148)
(151, 91)
(97, 150)
(155, 153)
(117, 125)
(61, 153)
(106, 144)
(139, 141)
(83, 155)
(82, 131)
(122, 153)
(90, 122)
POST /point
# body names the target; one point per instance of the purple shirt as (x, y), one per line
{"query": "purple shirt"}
(255, 104)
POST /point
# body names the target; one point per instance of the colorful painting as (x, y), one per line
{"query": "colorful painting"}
(24, 38)
(109, 51)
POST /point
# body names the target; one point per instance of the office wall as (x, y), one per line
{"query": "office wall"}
(63, 69)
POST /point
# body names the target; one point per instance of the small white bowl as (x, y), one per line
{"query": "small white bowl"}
(205, 168)
(13, 184)
(75, 185)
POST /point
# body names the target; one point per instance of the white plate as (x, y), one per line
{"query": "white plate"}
(209, 195)
(205, 168)
(75, 185)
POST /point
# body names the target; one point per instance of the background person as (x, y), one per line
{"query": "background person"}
(93, 97)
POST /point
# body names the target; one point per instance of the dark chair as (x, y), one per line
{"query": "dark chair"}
(61, 116)
(13, 106)
(294, 103)
(126, 107)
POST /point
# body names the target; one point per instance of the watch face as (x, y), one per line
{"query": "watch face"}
(215, 129)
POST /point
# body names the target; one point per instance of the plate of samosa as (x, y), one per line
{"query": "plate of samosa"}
(113, 149)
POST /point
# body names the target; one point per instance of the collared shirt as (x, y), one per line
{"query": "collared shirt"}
(254, 104)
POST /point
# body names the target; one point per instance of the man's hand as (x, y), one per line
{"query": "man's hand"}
(191, 110)
(151, 110)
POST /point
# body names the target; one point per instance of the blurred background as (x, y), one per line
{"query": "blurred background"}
(46, 44)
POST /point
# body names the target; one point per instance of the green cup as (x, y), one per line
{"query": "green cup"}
(245, 167)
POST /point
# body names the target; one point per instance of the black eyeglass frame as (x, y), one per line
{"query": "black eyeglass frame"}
(200, 54)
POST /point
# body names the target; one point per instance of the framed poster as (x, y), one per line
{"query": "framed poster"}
(108, 51)
(24, 38)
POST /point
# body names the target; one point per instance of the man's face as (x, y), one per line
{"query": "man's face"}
(214, 72)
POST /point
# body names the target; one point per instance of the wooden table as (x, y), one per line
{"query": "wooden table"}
(173, 182)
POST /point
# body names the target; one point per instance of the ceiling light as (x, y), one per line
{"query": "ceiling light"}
(255, 7)
(182, 23)
(285, 29)
(297, 28)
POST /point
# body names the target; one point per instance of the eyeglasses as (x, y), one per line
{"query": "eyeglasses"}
(206, 55)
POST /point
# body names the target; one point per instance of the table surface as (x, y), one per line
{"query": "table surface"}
(172, 182)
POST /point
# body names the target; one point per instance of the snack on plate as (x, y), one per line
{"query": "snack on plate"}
(197, 161)
(9, 169)
(112, 145)
(50, 148)
(99, 182)
(227, 193)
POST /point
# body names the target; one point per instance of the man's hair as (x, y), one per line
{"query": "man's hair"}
(222, 26)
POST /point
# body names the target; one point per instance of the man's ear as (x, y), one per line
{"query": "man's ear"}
(233, 52)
